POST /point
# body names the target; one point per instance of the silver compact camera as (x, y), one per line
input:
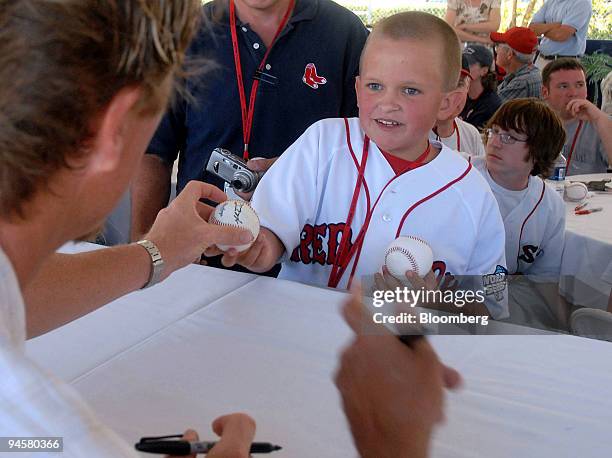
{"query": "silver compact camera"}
(233, 169)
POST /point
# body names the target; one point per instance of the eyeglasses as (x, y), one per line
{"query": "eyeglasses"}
(505, 138)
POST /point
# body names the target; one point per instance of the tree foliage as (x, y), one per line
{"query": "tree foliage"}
(513, 12)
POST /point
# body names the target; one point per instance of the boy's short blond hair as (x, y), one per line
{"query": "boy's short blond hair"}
(427, 28)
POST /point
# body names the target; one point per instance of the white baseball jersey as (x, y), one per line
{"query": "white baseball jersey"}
(465, 138)
(306, 196)
(535, 227)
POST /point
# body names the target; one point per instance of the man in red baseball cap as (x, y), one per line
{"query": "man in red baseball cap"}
(515, 52)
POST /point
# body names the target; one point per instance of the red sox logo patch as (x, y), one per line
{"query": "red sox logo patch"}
(311, 78)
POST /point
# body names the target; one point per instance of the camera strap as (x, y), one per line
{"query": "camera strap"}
(247, 113)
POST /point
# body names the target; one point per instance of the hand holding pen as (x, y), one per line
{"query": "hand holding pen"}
(392, 393)
(236, 431)
(187, 445)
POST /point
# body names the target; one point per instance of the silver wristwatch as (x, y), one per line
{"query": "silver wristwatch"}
(157, 263)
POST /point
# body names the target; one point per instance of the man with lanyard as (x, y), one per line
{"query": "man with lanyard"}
(515, 50)
(282, 65)
(564, 25)
(588, 144)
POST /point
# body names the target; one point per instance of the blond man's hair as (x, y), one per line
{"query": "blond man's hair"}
(425, 27)
(62, 62)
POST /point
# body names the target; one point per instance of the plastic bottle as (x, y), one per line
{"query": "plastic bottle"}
(557, 179)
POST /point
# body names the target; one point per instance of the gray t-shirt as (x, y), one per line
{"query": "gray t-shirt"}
(589, 155)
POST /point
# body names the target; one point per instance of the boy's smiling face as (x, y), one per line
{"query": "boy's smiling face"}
(400, 92)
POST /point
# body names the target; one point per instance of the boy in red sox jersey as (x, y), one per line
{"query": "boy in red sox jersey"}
(524, 139)
(347, 187)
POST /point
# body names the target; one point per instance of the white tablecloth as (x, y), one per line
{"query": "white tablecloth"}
(208, 342)
(98, 337)
(587, 257)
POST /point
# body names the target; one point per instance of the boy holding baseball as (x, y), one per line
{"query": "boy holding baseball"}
(346, 188)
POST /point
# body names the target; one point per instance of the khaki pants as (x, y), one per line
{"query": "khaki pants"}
(541, 62)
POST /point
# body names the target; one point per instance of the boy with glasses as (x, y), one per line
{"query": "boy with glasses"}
(524, 137)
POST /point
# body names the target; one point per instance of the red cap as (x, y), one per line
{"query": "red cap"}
(521, 39)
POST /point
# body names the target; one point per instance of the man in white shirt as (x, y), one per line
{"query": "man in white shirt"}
(83, 88)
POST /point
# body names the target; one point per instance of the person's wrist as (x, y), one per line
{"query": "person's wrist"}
(413, 444)
(601, 119)
(157, 262)
(410, 446)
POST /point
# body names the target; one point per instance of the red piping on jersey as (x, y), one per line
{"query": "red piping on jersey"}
(433, 194)
(348, 140)
(419, 162)
(571, 152)
(525, 222)
(343, 258)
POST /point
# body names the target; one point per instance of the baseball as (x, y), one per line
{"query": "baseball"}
(408, 253)
(575, 192)
(236, 213)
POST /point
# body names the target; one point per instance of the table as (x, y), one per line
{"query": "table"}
(587, 257)
(207, 342)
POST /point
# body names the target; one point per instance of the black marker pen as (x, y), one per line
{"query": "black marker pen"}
(182, 447)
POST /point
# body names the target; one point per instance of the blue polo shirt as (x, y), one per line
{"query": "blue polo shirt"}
(320, 32)
(576, 14)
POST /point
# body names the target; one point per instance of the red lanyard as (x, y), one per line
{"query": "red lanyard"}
(247, 115)
(344, 254)
(569, 156)
(455, 129)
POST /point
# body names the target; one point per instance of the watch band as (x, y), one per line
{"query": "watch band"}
(157, 262)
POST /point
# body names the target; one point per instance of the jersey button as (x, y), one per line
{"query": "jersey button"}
(256, 45)
(268, 66)
(386, 218)
(244, 29)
